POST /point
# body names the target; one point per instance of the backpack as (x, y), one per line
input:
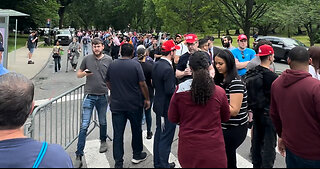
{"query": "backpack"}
(255, 89)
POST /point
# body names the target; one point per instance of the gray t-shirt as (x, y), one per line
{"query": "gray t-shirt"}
(96, 83)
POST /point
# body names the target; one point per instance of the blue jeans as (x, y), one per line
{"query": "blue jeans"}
(101, 104)
(149, 117)
(162, 143)
(119, 121)
(85, 50)
(294, 161)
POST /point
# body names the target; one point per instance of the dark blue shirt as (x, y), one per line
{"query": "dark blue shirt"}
(124, 76)
(23, 152)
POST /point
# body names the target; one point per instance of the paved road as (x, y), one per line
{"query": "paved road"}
(49, 85)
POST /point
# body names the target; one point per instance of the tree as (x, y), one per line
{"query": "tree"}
(244, 12)
(62, 9)
(185, 15)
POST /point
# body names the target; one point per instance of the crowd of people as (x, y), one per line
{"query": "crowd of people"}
(209, 92)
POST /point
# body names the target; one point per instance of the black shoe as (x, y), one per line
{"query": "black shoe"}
(172, 165)
(118, 166)
(78, 162)
(149, 135)
(142, 157)
(30, 62)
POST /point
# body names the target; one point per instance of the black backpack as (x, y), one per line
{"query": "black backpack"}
(255, 88)
(85, 41)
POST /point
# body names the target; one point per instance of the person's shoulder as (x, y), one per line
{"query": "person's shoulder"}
(59, 156)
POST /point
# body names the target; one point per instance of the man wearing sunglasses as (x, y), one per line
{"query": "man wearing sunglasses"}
(243, 55)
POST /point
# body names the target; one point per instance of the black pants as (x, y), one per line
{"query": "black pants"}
(233, 138)
(119, 121)
(57, 63)
(264, 141)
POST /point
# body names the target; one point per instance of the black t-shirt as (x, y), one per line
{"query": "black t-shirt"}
(30, 43)
(183, 64)
(147, 69)
(124, 76)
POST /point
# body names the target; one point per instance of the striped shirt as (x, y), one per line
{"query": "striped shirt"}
(237, 86)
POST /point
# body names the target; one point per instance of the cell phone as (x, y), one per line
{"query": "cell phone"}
(88, 71)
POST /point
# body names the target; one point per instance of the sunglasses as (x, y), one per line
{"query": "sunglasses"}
(242, 53)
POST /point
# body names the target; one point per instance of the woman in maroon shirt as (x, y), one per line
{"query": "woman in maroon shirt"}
(199, 107)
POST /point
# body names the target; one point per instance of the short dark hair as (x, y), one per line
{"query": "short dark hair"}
(210, 38)
(299, 54)
(16, 97)
(229, 38)
(97, 41)
(264, 58)
(260, 43)
(127, 50)
(202, 42)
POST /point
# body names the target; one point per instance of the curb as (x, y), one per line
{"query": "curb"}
(45, 65)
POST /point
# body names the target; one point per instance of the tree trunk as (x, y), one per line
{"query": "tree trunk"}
(227, 32)
(299, 31)
(237, 32)
(61, 16)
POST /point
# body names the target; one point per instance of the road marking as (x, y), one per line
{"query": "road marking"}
(149, 145)
(94, 159)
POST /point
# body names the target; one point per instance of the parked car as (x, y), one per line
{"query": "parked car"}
(64, 36)
(281, 45)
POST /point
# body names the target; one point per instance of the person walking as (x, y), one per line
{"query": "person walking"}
(147, 65)
(74, 53)
(235, 130)
(295, 112)
(2, 69)
(258, 82)
(129, 95)
(56, 54)
(164, 83)
(31, 46)
(198, 107)
(314, 67)
(94, 67)
(86, 40)
(243, 55)
(16, 150)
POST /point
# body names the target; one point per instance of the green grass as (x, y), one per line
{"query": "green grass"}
(21, 42)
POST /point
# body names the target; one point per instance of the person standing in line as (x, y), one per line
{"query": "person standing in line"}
(227, 42)
(258, 82)
(235, 130)
(56, 54)
(295, 112)
(74, 53)
(31, 46)
(147, 65)
(314, 67)
(198, 107)
(127, 83)
(16, 150)
(94, 67)
(164, 83)
(243, 55)
(2, 69)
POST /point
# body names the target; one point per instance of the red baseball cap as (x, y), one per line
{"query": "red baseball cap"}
(169, 46)
(191, 38)
(265, 50)
(242, 36)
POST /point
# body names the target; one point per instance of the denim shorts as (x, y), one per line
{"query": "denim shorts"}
(31, 50)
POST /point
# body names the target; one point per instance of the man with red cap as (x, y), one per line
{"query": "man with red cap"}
(164, 81)
(243, 55)
(183, 71)
(259, 81)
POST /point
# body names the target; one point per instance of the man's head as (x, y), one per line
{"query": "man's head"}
(97, 47)
(227, 41)
(266, 53)
(204, 44)
(127, 50)
(178, 38)
(169, 48)
(242, 41)
(210, 41)
(298, 58)
(16, 100)
(192, 42)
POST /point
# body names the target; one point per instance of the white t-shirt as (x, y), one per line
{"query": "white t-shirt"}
(313, 72)
(183, 49)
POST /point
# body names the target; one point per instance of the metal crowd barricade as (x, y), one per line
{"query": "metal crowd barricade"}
(58, 121)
